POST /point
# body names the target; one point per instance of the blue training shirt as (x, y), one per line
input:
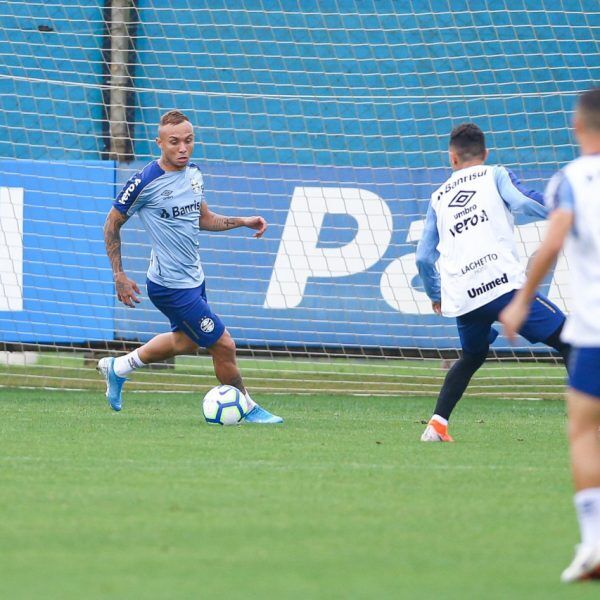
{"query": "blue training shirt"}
(168, 203)
(514, 195)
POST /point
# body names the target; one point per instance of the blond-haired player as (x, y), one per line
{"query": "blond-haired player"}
(168, 196)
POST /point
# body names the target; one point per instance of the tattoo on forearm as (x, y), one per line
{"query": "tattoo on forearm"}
(112, 241)
(219, 223)
(211, 221)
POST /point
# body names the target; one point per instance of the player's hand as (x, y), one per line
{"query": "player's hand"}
(127, 290)
(437, 307)
(257, 223)
(512, 317)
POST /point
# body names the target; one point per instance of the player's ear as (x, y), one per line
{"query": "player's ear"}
(453, 158)
(486, 154)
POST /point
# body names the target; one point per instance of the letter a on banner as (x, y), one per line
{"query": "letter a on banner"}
(299, 256)
(11, 249)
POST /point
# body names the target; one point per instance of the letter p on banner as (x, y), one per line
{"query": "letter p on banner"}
(299, 256)
(11, 249)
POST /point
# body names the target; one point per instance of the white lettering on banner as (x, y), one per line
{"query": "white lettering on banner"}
(11, 249)
(396, 281)
(299, 256)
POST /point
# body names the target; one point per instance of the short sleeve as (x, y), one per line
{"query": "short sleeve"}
(128, 200)
(559, 193)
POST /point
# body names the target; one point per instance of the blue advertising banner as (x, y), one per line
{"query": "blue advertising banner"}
(336, 266)
(56, 279)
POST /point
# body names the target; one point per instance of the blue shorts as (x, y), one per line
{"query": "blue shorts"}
(188, 311)
(584, 370)
(476, 332)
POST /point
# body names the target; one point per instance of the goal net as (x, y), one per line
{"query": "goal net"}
(330, 119)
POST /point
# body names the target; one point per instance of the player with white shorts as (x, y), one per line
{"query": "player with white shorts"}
(469, 237)
(168, 196)
(573, 195)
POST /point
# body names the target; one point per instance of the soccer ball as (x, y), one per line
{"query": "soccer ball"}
(224, 405)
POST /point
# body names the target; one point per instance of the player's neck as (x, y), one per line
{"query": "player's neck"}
(467, 164)
(591, 146)
(165, 166)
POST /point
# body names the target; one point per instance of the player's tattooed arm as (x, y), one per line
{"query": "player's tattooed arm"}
(126, 288)
(211, 221)
(112, 238)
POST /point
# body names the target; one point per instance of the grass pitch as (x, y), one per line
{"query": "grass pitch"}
(342, 501)
(335, 375)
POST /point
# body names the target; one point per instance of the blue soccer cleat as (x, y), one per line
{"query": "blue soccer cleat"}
(114, 383)
(259, 415)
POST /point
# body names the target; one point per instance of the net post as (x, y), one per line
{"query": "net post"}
(121, 29)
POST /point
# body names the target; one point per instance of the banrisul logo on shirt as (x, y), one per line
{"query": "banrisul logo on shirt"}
(180, 211)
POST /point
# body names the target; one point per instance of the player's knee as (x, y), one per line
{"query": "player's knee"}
(584, 415)
(227, 343)
(577, 426)
(555, 342)
(183, 344)
(188, 346)
(224, 347)
(474, 359)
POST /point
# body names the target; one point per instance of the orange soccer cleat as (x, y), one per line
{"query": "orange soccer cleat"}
(436, 432)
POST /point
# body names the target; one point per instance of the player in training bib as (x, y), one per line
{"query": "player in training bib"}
(168, 196)
(469, 235)
(573, 196)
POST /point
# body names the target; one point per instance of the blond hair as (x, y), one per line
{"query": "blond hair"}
(173, 117)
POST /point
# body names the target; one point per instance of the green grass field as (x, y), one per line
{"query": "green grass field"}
(341, 375)
(342, 501)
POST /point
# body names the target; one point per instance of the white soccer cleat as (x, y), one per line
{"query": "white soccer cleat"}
(436, 432)
(585, 565)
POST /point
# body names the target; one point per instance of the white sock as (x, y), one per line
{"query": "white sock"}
(251, 403)
(441, 420)
(128, 363)
(587, 504)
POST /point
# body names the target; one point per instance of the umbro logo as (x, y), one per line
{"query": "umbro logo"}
(167, 193)
(461, 199)
(164, 214)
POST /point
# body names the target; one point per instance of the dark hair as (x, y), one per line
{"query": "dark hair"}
(589, 108)
(468, 141)
(173, 117)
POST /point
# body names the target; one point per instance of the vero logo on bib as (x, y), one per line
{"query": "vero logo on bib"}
(468, 223)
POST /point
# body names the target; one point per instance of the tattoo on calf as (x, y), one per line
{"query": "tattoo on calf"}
(237, 382)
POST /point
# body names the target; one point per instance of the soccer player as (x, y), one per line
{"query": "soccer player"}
(573, 195)
(469, 234)
(168, 196)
